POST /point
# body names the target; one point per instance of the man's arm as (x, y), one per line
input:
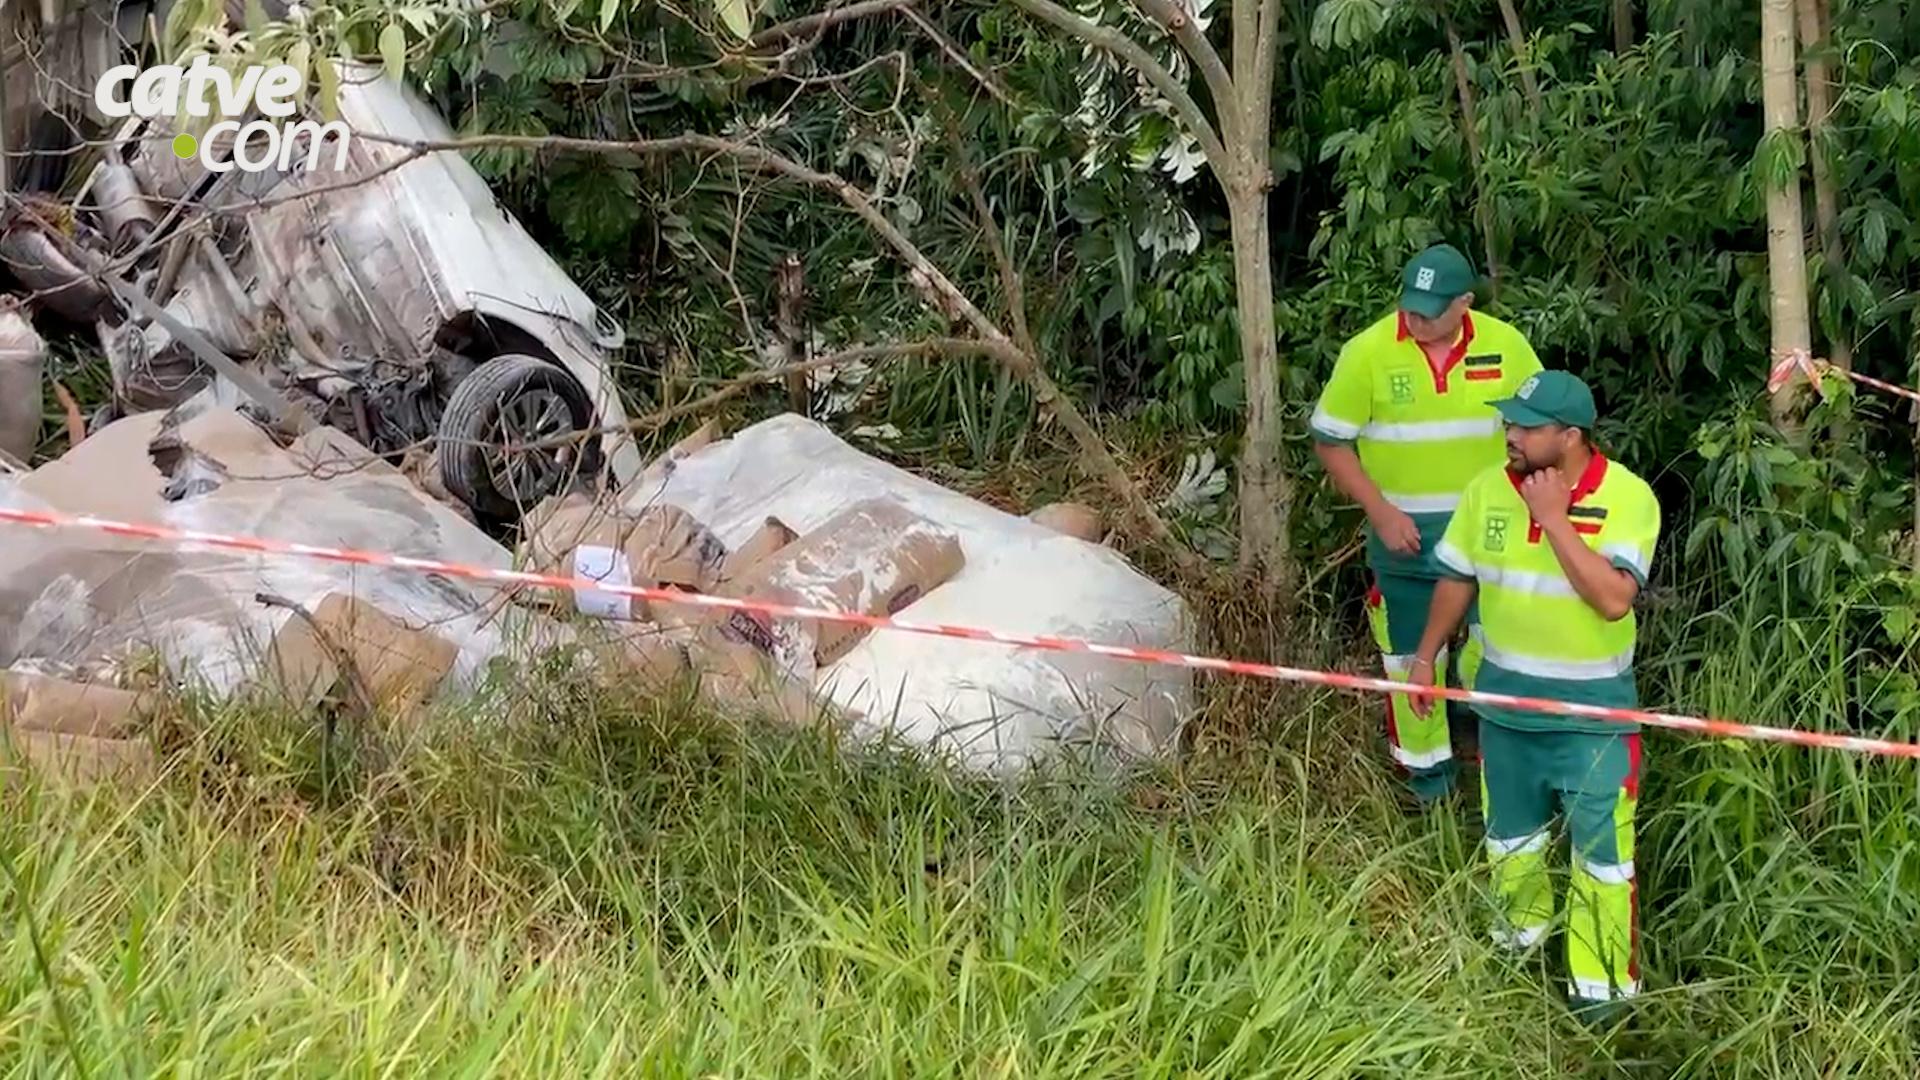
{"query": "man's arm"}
(1452, 595)
(1606, 588)
(1395, 528)
(1451, 599)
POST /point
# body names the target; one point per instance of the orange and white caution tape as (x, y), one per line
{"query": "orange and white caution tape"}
(1806, 364)
(287, 549)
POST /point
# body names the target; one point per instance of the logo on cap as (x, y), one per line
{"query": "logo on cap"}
(1526, 388)
(1423, 279)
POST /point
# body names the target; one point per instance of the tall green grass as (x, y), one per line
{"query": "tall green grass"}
(579, 881)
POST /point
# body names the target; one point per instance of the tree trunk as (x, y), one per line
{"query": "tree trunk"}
(1266, 494)
(1266, 491)
(1786, 228)
(1622, 26)
(1826, 202)
(1517, 38)
(1237, 152)
(1470, 128)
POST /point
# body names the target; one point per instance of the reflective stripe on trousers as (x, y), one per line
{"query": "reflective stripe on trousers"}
(1596, 779)
(1418, 743)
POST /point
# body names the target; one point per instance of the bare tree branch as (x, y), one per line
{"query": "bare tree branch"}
(1117, 43)
(1826, 200)
(1246, 31)
(1266, 47)
(958, 55)
(1175, 20)
(824, 21)
(1470, 128)
(1622, 26)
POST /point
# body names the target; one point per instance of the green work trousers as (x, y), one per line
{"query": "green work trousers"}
(1594, 780)
(1422, 746)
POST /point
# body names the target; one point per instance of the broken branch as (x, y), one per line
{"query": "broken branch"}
(1010, 281)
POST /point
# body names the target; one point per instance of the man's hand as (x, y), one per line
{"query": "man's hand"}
(1395, 528)
(1421, 675)
(1547, 495)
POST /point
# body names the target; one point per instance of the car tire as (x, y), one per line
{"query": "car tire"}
(515, 400)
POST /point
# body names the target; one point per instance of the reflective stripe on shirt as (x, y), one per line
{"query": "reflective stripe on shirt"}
(1422, 504)
(1431, 430)
(1541, 667)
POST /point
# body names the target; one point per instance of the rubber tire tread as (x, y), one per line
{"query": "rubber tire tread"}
(469, 418)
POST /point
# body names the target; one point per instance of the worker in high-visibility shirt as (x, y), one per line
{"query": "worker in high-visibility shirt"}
(1555, 546)
(1403, 424)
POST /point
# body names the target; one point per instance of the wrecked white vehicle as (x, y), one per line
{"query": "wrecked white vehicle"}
(280, 340)
(395, 300)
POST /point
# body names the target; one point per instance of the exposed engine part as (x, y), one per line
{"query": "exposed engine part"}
(145, 379)
(54, 280)
(387, 407)
(128, 218)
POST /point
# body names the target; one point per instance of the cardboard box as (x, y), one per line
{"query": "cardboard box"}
(1071, 519)
(401, 666)
(74, 732)
(642, 652)
(573, 536)
(743, 679)
(81, 759)
(875, 557)
(45, 704)
(770, 537)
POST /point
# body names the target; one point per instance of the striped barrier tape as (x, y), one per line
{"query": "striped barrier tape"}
(288, 549)
(1805, 363)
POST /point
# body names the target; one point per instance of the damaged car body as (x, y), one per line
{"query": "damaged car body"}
(394, 299)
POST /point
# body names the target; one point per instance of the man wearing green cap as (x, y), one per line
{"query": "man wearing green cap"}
(1554, 547)
(1403, 424)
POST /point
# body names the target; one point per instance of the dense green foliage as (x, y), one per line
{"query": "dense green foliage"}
(1626, 212)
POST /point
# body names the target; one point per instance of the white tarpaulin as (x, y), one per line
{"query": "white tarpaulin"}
(991, 706)
(77, 603)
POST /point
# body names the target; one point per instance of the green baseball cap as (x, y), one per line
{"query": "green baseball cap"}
(1550, 397)
(1434, 279)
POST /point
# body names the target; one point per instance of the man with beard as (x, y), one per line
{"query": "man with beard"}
(1555, 547)
(1403, 424)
